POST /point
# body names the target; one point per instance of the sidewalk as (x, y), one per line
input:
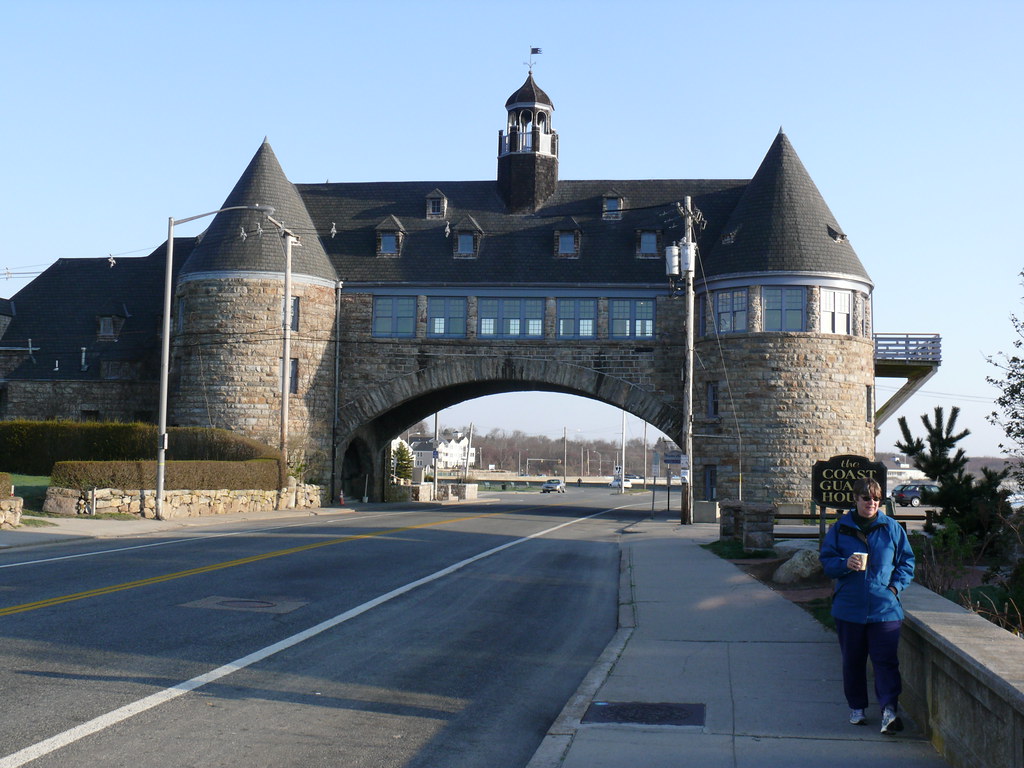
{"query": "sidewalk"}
(697, 631)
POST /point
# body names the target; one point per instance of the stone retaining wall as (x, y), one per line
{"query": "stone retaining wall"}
(963, 682)
(10, 511)
(177, 503)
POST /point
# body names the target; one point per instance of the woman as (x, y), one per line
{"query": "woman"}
(866, 603)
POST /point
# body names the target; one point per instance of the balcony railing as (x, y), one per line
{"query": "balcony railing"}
(909, 347)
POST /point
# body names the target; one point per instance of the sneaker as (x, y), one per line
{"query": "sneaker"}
(857, 717)
(891, 722)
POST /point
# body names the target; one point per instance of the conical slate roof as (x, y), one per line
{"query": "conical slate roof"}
(223, 247)
(529, 93)
(781, 223)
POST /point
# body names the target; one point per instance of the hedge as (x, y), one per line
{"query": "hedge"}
(256, 474)
(5, 485)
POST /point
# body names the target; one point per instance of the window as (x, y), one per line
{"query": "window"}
(509, 318)
(631, 318)
(295, 313)
(869, 416)
(388, 244)
(731, 311)
(567, 244)
(835, 311)
(437, 205)
(712, 399)
(465, 244)
(612, 208)
(446, 317)
(577, 318)
(647, 244)
(710, 483)
(394, 316)
(784, 309)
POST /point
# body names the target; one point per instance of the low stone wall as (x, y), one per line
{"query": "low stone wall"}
(963, 682)
(10, 511)
(751, 524)
(67, 501)
(445, 492)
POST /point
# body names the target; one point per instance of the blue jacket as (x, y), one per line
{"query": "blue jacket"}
(865, 597)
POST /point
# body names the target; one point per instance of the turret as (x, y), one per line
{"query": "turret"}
(527, 150)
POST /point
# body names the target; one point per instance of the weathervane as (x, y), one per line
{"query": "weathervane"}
(533, 52)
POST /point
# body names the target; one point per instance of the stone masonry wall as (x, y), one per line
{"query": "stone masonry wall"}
(178, 503)
(227, 363)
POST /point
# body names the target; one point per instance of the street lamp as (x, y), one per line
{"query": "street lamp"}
(165, 344)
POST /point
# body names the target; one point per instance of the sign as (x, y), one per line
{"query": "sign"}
(676, 457)
(832, 481)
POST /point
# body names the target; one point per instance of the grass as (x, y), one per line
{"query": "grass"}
(31, 488)
(730, 549)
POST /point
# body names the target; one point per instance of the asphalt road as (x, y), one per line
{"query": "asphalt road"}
(443, 637)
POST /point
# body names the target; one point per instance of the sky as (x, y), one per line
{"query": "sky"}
(906, 113)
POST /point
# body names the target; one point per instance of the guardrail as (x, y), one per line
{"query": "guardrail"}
(910, 347)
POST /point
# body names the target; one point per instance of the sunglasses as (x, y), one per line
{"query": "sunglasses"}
(869, 498)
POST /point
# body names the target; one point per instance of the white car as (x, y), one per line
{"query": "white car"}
(554, 485)
(616, 482)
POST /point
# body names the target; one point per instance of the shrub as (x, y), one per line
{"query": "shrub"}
(5, 485)
(261, 474)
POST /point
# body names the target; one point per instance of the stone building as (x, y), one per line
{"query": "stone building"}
(409, 297)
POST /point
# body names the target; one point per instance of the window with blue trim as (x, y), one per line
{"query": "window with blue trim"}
(631, 318)
(577, 318)
(731, 311)
(446, 316)
(394, 316)
(510, 318)
(784, 309)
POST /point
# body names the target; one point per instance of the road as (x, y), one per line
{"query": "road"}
(448, 636)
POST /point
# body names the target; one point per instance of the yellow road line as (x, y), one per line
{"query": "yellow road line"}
(60, 600)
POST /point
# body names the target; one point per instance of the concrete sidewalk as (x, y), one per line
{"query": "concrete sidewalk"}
(697, 631)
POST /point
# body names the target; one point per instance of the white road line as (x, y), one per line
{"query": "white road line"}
(52, 744)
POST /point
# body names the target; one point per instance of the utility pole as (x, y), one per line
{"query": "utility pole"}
(680, 260)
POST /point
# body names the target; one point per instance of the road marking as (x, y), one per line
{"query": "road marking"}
(200, 536)
(97, 724)
(109, 590)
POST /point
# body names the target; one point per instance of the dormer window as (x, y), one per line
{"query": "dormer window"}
(390, 236)
(612, 206)
(468, 234)
(437, 205)
(108, 327)
(567, 239)
(647, 244)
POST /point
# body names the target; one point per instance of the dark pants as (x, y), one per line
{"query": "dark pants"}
(878, 641)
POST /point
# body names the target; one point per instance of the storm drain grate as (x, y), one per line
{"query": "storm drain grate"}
(643, 713)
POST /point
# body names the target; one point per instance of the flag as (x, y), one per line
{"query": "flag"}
(535, 51)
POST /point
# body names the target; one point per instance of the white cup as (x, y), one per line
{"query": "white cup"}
(862, 557)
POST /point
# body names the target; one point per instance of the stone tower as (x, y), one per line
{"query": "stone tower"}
(784, 340)
(527, 150)
(228, 322)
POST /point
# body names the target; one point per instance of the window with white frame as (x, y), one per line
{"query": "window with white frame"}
(510, 318)
(394, 316)
(785, 309)
(446, 316)
(577, 318)
(835, 311)
(631, 318)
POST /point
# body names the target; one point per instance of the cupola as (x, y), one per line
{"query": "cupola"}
(527, 150)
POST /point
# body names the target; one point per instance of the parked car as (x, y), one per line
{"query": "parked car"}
(911, 494)
(616, 482)
(897, 489)
(633, 477)
(554, 485)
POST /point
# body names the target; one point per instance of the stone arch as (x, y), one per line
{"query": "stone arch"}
(370, 420)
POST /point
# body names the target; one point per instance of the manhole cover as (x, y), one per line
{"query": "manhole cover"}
(644, 713)
(255, 605)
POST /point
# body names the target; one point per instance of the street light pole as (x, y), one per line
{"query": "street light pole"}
(165, 346)
(286, 320)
